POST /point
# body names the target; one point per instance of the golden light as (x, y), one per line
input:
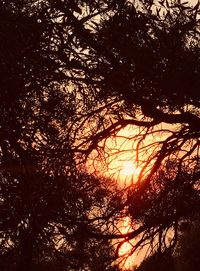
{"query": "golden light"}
(119, 160)
(129, 169)
(125, 250)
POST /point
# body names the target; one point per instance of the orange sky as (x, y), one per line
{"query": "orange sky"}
(117, 156)
(117, 159)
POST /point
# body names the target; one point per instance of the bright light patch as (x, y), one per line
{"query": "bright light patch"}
(128, 169)
(128, 260)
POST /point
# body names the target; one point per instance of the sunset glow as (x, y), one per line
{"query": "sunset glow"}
(125, 250)
(128, 169)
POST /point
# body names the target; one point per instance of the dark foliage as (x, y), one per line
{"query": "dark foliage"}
(158, 262)
(186, 254)
(46, 203)
(140, 63)
(73, 73)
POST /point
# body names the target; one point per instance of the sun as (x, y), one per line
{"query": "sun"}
(128, 169)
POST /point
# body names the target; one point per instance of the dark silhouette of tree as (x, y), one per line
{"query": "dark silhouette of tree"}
(138, 64)
(186, 253)
(48, 205)
(142, 63)
(157, 262)
(74, 73)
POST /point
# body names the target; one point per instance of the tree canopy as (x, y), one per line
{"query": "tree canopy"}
(73, 74)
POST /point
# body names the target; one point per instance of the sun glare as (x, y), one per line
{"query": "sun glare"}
(128, 169)
(119, 161)
(129, 259)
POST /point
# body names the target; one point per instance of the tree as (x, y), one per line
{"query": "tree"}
(105, 65)
(186, 253)
(139, 65)
(157, 262)
(49, 206)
